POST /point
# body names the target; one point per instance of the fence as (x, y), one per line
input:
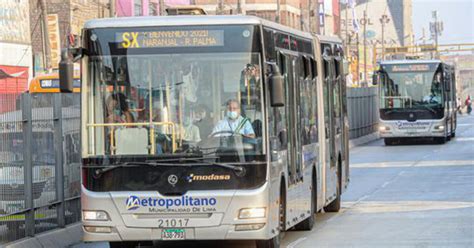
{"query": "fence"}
(362, 104)
(39, 187)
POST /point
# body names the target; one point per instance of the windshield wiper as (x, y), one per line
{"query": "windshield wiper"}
(239, 170)
(428, 108)
(104, 168)
(199, 161)
(392, 111)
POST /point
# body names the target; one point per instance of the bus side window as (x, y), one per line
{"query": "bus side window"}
(305, 106)
(337, 87)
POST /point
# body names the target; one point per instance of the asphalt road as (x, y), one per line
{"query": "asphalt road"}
(410, 195)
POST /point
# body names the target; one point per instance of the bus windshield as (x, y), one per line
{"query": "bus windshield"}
(171, 103)
(411, 86)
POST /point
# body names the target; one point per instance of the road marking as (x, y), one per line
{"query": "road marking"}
(407, 206)
(464, 139)
(412, 163)
(465, 124)
(385, 184)
(294, 243)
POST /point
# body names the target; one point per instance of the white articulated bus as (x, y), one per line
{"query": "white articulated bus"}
(208, 127)
(417, 100)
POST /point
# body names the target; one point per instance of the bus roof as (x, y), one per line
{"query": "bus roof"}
(193, 20)
(406, 61)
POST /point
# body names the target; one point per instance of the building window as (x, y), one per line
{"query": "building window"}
(152, 9)
(138, 8)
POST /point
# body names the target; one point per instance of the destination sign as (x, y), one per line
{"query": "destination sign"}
(408, 68)
(170, 38)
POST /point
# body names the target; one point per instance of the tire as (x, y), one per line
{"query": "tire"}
(389, 141)
(125, 244)
(441, 140)
(275, 241)
(269, 243)
(308, 223)
(335, 205)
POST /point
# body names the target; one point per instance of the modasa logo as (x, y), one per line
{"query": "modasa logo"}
(212, 177)
(134, 202)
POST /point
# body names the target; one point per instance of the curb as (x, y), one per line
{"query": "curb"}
(363, 140)
(64, 237)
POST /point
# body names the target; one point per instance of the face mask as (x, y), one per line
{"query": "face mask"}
(232, 115)
(117, 112)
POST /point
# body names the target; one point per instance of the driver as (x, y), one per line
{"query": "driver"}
(233, 123)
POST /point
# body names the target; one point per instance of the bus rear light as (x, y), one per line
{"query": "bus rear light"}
(249, 213)
(98, 229)
(95, 215)
(249, 227)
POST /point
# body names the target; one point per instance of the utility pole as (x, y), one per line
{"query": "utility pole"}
(365, 45)
(112, 8)
(310, 12)
(358, 58)
(316, 14)
(47, 47)
(301, 18)
(161, 4)
(239, 6)
(436, 28)
(383, 20)
(220, 7)
(277, 17)
(346, 27)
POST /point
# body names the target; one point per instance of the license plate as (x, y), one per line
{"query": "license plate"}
(173, 234)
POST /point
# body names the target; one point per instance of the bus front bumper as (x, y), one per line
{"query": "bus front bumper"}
(406, 129)
(215, 223)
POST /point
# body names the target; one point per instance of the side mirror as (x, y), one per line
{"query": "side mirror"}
(375, 78)
(66, 72)
(275, 83)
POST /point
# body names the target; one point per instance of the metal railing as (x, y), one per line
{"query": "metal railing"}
(39, 187)
(362, 104)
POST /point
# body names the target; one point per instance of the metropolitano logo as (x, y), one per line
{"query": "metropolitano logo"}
(133, 202)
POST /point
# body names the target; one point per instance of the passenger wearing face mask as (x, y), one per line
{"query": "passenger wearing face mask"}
(117, 109)
(233, 123)
(191, 131)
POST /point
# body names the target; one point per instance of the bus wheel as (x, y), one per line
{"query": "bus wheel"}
(275, 241)
(308, 223)
(335, 205)
(440, 140)
(389, 141)
(126, 244)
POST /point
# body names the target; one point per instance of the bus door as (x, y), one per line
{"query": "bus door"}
(329, 125)
(339, 115)
(289, 64)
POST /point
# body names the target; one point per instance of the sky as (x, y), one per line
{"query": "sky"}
(457, 17)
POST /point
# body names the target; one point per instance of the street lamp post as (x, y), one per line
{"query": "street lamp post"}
(364, 22)
(436, 27)
(383, 20)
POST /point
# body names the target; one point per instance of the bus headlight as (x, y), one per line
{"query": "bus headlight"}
(439, 127)
(95, 215)
(249, 213)
(384, 128)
